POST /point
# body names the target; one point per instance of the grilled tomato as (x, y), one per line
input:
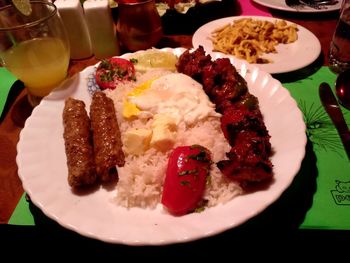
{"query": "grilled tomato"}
(111, 71)
(186, 177)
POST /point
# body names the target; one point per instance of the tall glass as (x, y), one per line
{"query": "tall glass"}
(139, 24)
(339, 51)
(34, 48)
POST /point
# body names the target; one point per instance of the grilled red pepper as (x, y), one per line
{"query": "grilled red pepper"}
(186, 177)
(113, 70)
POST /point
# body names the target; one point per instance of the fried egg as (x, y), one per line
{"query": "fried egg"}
(175, 95)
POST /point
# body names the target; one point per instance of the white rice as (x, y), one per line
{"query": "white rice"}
(141, 179)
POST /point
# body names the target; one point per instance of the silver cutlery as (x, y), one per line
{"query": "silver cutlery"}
(316, 4)
(331, 106)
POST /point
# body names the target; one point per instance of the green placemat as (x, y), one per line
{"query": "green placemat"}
(22, 214)
(331, 202)
(6, 82)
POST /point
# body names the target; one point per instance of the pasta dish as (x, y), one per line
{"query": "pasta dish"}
(249, 39)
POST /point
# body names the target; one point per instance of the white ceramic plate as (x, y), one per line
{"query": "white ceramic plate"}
(42, 168)
(289, 57)
(281, 5)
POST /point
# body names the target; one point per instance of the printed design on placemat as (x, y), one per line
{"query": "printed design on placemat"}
(320, 129)
(341, 194)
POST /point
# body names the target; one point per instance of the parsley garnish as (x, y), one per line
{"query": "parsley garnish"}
(201, 157)
(134, 60)
(105, 64)
(184, 183)
(201, 206)
(185, 172)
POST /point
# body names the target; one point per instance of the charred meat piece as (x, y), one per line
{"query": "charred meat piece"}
(106, 137)
(78, 144)
(221, 81)
(192, 64)
(246, 174)
(249, 146)
(235, 120)
(247, 101)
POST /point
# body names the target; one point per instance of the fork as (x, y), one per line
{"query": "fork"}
(321, 2)
(293, 3)
(317, 4)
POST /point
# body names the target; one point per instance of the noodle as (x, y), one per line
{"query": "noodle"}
(249, 39)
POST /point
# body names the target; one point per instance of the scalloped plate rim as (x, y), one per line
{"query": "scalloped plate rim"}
(119, 225)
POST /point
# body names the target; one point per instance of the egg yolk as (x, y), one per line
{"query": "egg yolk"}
(129, 108)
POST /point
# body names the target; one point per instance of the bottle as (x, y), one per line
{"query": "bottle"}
(73, 18)
(101, 27)
(139, 25)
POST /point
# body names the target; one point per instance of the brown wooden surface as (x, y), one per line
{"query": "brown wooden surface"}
(322, 25)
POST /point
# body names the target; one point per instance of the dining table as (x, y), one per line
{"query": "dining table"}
(308, 211)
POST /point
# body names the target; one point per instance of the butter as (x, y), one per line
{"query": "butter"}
(136, 141)
(164, 132)
(103, 35)
(71, 13)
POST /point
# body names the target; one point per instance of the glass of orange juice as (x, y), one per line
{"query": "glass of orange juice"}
(34, 47)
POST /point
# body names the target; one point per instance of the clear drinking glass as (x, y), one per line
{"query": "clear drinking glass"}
(139, 24)
(339, 51)
(34, 48)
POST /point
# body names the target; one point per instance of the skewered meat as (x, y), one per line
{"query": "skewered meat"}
(78, 144)
(241, 122)
(106, 137)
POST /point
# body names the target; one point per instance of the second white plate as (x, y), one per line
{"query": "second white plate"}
(281, 5)
(289, 57)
